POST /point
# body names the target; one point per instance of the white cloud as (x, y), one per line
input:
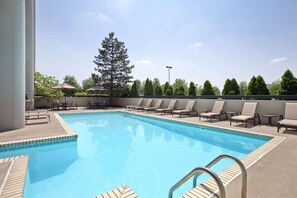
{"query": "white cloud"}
(101, 17)
(143, 62)
(278, 60)
(197, 45)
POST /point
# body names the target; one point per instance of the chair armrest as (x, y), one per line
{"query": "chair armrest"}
(281, 117)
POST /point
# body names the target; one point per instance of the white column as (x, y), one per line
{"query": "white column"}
(12, 64)
(30, 51)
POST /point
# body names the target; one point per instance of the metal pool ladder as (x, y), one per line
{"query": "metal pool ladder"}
(196, 172)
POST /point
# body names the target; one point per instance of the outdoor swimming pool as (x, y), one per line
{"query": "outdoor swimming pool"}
(115, 149)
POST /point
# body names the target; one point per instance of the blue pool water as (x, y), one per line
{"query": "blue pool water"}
(113, 149)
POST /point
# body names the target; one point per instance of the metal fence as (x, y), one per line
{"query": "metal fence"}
(233, 97)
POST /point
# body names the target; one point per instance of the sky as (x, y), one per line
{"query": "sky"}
(201, 39)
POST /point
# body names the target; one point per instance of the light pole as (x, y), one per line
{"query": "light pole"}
(169, 67)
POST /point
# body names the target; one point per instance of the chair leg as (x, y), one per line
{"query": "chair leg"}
(278, 127)
(246, 124)
(230, 122)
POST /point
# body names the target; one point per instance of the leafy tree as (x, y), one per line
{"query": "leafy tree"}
(148, 88)
(71, 80)
(288, 84)
(234, 87)
(158, 90)
(178, 83)
(192, 89)
(216, 90)
(226, 88)
(207, 89)
(180, 91)
(231, 87)
(169, 91)
(243, 88)
(165, 87)
(87, 83)
(261, 86)
(199, 90)
(112, 65)
(43, 86)
(252, 86)
(274, 87)
(134, 91)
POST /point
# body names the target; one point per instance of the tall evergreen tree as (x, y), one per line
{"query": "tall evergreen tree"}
(234, 87)
(288, 84)
(252, 86)
(112, 65)
(207, 89)
(165, 87)
(231, 87)
(192, 89)
(158, 91)
(226, 88)
(134, 91)
(261, 86)
(148, 88)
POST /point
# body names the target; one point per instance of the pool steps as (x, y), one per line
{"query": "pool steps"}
(121, 192)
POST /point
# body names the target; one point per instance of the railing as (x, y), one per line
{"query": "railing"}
(234, 97)
(242, 167)
(195, 172)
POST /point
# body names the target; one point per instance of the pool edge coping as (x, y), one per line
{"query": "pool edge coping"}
(16, 173)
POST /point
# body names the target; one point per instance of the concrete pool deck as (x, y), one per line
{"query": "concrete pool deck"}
(274, 175)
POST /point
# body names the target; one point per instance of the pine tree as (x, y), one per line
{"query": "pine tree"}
(158, 91)
(234, 87)
(226, 88)
(288, 84)
(261, 86)
(134, 91)
(148, 88)
(112, 65)
(252, 87)
(192, 89)
(207, 89)
(166, 87)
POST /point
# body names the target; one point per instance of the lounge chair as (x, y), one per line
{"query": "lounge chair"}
(248, 113)
(187, 110)
(39, 114)
(217, 110)
(290, 118)
(131, 107)
(158, 105)
(148, 104)
(168, 109)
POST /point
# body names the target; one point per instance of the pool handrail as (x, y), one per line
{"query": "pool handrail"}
(196, 171)
(241, 165)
